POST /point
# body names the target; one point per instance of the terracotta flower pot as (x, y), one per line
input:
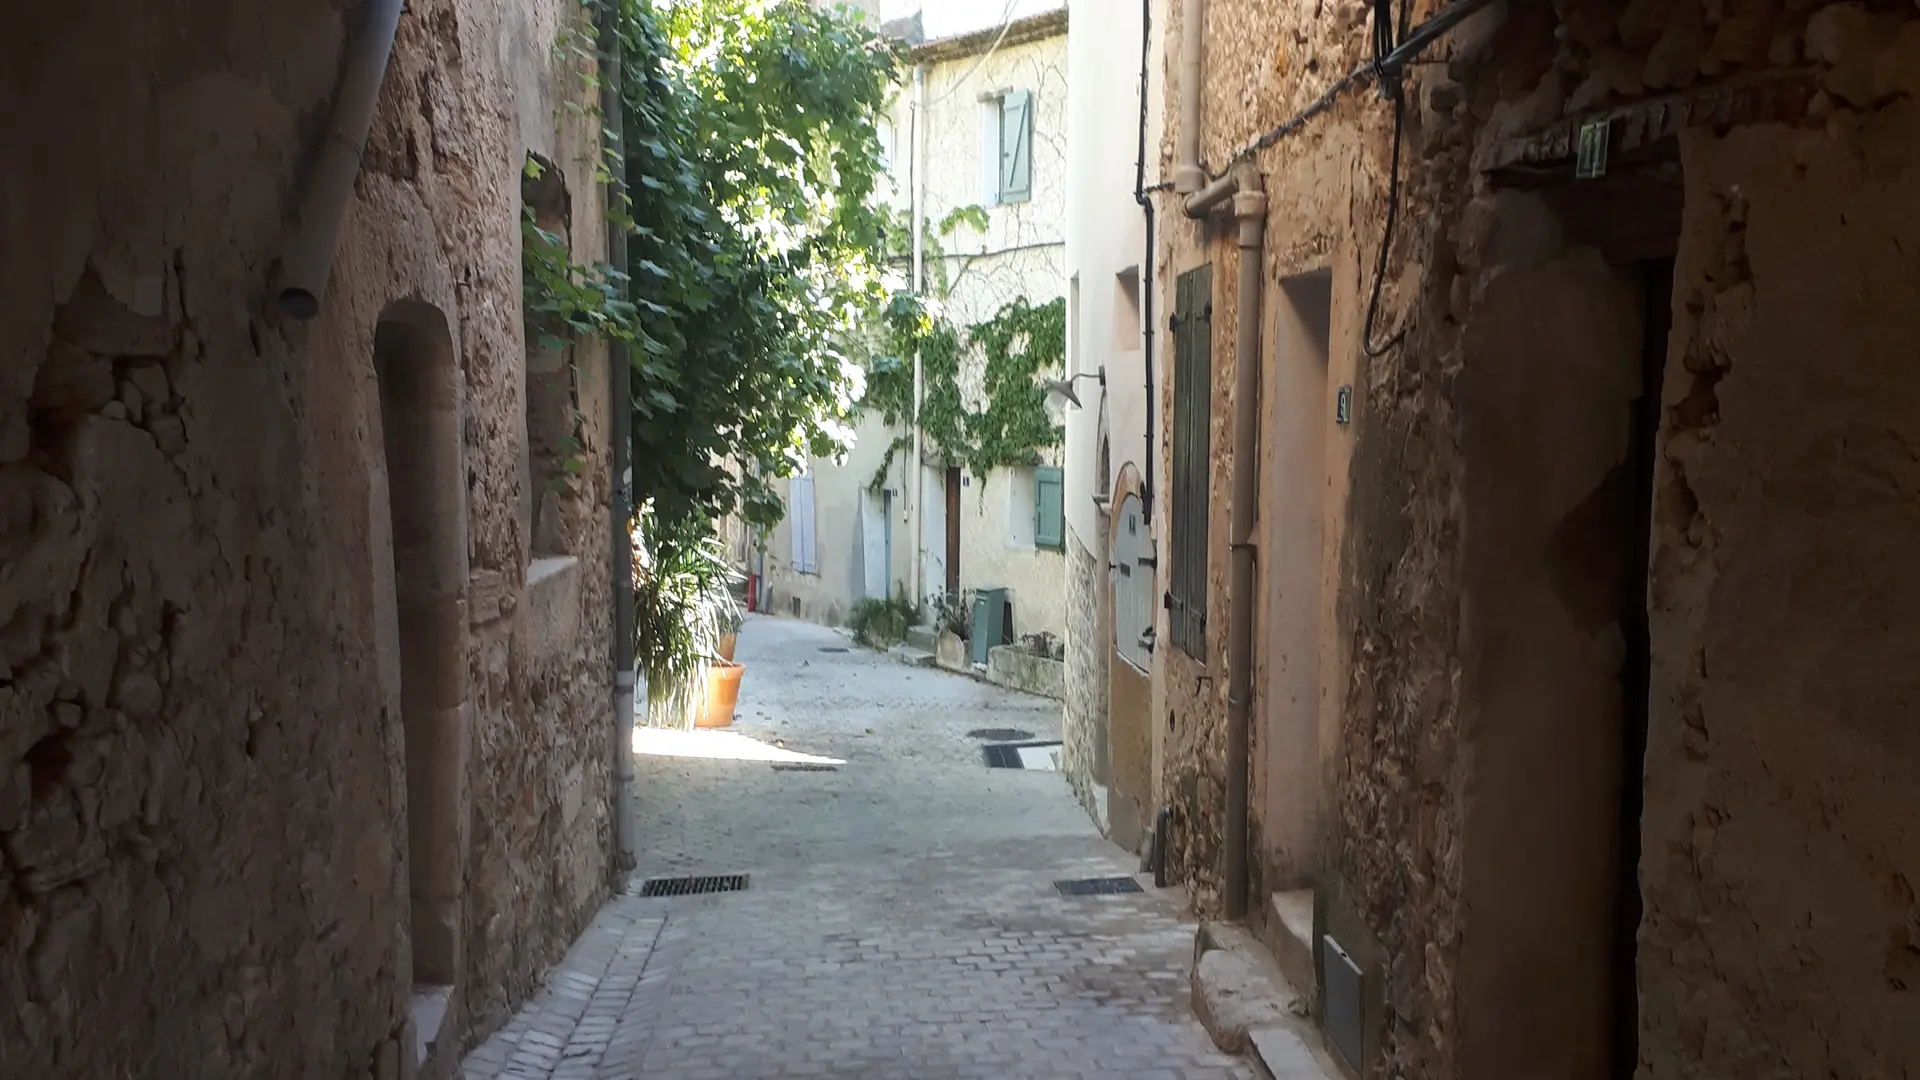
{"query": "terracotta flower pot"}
(723, 695)
(727, 643)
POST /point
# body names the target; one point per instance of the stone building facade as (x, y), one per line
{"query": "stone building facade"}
(982, 528)
(1578, 697)
(306, 726)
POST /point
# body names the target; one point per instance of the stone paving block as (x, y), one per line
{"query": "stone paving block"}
(901, 920)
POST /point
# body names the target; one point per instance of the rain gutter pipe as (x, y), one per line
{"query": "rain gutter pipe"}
(1187, 175)
(307, 258)
(613, 113)
(916, 469)
(1242, 188)
(1145, 202)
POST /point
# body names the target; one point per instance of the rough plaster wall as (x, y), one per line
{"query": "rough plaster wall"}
(1312, 184)
(1395, 846)
(1782, 934)
(1034, 577)
(199, 744)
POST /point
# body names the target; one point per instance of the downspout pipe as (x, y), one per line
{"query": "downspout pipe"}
(916, 469)
(1187, 174)
(307, 259)
(1145, 202)
(620, 421)
(1249, 204)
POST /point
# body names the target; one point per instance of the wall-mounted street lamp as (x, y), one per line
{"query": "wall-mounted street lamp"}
(1064, 387)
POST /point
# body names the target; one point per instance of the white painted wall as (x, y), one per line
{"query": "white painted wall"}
(1106, 236)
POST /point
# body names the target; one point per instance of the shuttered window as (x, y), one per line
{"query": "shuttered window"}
(1049, 509)
(1192, 456)
(1016, 147)
(800, 523)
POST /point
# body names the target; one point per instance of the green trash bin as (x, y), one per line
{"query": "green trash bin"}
(989, 621)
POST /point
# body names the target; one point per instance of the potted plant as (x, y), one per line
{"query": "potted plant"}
(683, 605)
(730, 634)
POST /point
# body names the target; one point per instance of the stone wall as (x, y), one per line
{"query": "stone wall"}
(202, 795)
(1084, 716)
(1774, 830)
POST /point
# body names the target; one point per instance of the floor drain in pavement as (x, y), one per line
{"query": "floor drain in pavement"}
(1098, 886)
(803, 766)
(1000, 734)
(834, 648)
(1043, 756)
(694, 886)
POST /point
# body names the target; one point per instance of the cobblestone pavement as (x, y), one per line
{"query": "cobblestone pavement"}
(901, 920)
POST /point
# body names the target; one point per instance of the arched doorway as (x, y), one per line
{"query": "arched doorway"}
(426, 496)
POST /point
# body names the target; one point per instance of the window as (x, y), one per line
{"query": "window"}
(1008, 146)
(1192, 455)
(800, 525)
(1126, 310)
(552, 506)
(1049, 514)
(1022, 497)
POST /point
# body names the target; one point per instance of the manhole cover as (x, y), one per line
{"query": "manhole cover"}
(694, 885)
(1022, 755)
(834, 648)
(799, 766)
(1098, 886)
(999, 734)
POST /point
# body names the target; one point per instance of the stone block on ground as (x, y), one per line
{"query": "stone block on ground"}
(1236, 987)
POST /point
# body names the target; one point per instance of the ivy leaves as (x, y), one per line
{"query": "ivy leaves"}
(1019, 343)
(752, 157)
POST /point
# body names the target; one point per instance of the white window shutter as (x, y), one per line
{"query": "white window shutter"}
(800, 524)
(1016, 146)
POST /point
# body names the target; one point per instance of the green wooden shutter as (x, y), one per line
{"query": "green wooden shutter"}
(1016, 146)
(1049, 512)
(1192, 459)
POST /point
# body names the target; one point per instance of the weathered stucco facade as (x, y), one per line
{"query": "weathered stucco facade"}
(1632, 439)
(239, 557)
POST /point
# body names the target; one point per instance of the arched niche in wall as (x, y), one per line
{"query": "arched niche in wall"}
(426, 493)
(550, 465)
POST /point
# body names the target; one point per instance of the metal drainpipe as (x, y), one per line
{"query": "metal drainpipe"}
(1187, 174)
(1145, 202)
(1250, 211)
(916, 472)
(315, 236)
(613, 110)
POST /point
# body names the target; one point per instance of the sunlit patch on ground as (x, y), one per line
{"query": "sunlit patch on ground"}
(716, 746)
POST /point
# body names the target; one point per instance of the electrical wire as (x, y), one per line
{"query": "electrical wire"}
(1006, 23)
(1384, 48)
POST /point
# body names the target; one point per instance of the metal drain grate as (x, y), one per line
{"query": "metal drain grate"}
(834, 648)
(694, 885)
(801, 766)
(999, 734)
(1098, 886)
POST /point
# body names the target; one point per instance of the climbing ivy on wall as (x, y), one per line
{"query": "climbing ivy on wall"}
(1019, 343)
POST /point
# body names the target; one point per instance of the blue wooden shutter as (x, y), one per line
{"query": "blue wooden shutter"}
(1049, 513)
(1016, 146)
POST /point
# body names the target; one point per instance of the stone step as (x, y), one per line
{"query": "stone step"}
(923, 637)
(1248, 1006)
(1236, 985)
(1290, 936)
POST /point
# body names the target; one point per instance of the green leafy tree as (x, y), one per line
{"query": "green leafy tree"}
(756, 251)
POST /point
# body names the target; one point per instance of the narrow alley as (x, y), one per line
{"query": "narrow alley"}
(901, 918)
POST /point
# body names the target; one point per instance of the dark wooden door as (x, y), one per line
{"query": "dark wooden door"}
(953, 531)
